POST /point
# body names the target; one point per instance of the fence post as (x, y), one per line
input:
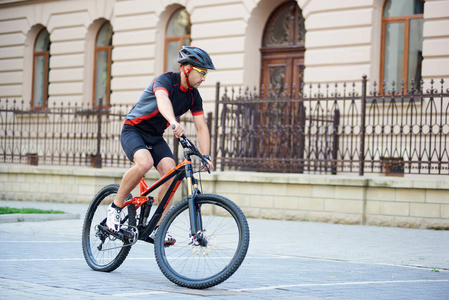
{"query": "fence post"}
(209, 121)
(335, 141)
(176, 149)
(362, 128)
(97, 159)
(215, 133)
(302, 135)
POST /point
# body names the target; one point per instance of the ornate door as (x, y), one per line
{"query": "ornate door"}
(283, 49)
(281, 76)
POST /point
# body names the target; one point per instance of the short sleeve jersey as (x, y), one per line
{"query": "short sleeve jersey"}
(145, 114)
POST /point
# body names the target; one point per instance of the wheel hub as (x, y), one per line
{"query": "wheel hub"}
(204, 243)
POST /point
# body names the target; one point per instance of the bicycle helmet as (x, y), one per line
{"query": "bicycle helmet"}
(196, 57)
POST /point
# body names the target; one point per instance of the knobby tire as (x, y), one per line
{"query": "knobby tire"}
(107, 260)
(197, 266)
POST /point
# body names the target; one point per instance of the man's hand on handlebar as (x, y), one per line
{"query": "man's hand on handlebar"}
(210, 165)
(177, 128)
(206, 161)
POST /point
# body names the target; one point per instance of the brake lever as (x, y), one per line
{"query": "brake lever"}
(204, 162)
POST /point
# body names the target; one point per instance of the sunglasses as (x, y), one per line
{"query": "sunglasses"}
(204, 73)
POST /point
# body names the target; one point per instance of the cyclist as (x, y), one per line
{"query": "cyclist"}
(167, 97)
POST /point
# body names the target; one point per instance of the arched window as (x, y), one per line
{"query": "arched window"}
(402, 40)
(283, 48)
(41, 67)
(176, 36)
(102, 65)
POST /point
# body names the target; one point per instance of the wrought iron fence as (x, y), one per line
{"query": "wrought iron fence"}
(324, 129)
(65, 134)
(332, 129)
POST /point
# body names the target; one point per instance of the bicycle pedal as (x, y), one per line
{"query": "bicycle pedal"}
(131, 234)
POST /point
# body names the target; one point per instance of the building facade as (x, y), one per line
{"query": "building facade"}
(79, 51)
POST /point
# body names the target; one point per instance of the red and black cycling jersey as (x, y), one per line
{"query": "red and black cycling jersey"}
(145, 114)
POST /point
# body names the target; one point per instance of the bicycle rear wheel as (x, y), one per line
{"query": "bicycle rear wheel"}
(189, 264)
(102, 250)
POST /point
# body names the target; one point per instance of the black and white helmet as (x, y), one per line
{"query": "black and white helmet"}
(196, 57)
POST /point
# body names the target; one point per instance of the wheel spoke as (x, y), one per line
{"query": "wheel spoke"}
(190, 264)
(112, 253)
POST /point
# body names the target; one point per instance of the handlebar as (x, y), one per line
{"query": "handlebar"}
(188, 145)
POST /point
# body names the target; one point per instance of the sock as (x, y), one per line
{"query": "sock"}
(115, 206)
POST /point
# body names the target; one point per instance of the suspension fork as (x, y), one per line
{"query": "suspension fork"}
(196, 225)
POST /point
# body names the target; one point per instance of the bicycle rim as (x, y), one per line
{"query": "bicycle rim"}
(112, 253)
(191, 265)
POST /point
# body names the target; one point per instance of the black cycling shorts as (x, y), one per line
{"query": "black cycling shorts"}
(132, 140)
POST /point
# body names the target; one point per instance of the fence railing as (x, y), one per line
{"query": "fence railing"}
(333, 129)
(65, 134)
(324, 129)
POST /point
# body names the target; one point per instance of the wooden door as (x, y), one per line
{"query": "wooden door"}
(283, 49)
(281, 73)
(282, 68)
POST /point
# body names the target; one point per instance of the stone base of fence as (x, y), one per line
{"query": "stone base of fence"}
(415, 202)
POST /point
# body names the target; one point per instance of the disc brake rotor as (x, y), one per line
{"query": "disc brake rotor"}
(199, 250)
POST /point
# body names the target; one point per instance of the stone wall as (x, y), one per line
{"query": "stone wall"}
(416, 202)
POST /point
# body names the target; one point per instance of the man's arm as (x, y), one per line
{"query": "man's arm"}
(203, 136)
(166, 109)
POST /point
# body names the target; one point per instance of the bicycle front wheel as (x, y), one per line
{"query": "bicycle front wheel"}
(202, 265)
(102, 251)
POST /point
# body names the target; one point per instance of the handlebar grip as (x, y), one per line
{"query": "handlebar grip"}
(173, 128)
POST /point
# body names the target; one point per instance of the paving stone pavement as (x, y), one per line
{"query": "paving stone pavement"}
(299, 260)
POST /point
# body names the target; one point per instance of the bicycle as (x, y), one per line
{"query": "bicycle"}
(211, 231)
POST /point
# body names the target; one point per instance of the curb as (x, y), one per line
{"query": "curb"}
(11, 218)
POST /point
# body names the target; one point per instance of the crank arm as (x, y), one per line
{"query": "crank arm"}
(124, 234)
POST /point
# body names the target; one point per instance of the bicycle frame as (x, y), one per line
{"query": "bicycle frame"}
(190, 255)
(181, 171)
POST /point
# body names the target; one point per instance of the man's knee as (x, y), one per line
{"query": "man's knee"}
(165, 165)
(143, 160)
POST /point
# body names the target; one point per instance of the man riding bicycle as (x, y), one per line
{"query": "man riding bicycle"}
(168, 96)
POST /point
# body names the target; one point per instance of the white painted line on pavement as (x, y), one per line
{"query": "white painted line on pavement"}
(62, 259)
(38, 259)
(336, 284)
(43, 242)
(341, 260)
(139, 294)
